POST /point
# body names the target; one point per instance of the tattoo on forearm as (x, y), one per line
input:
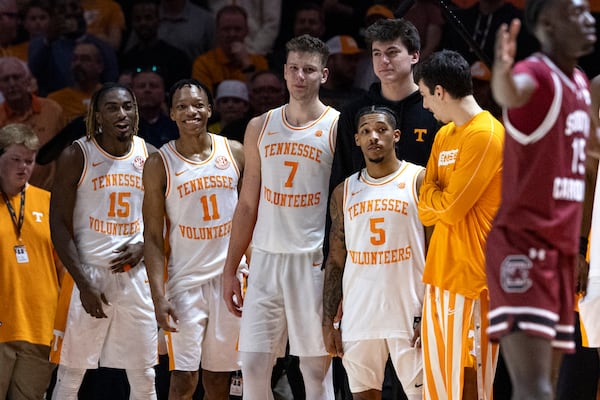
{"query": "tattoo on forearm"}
(334, 268)
(332, 289)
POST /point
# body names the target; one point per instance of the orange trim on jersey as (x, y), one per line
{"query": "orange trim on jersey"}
(396, 175)
(170, 351)
(299, 128)
(110, 156)
(415, 192)
(346, 190)
(60, 320)
(173, 148)
(167, 172)
(263, 129)
(233, 161)
(333, 134)
(85, 164)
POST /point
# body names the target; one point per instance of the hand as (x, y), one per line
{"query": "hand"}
(165, 315)
(583, 269)
(333, 339)
(415, 341)
(128, 256)
(239, 54)
(92, 299)
(232, 294)
(506, 45)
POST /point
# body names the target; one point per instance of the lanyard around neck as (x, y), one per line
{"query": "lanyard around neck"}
(17, 222)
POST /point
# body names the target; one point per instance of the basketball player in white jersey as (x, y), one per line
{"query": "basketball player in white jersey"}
(192, 184)
(288, 151)
(376, 259)
(97, 229)
(588, 306)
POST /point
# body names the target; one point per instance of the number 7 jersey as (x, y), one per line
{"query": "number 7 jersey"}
(200, 199)
(295, 168)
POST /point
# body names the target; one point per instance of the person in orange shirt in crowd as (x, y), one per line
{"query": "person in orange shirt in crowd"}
(86, 66)
(42, 115)
(35, 16)
(9, 19)
(230, 59)
(105, 20)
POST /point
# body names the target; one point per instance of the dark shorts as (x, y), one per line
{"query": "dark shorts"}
(531, 287)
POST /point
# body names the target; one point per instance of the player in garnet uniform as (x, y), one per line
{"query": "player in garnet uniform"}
(533, 245)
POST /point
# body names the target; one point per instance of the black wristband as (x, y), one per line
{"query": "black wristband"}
(583, 245)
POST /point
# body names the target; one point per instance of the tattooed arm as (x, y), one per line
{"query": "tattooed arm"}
(334, 270)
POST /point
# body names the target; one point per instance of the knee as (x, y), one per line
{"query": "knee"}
(141, 382)
(533, 389)
(68, 381)
(183, 382)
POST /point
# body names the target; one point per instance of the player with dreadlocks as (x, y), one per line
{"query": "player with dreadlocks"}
(105, 309)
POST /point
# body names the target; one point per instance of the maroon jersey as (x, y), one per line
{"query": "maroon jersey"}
(544, 156)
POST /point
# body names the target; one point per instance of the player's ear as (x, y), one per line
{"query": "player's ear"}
(325, 75)
(356, 139)
(397, 134)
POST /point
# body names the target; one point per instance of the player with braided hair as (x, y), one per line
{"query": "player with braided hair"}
(97, 229)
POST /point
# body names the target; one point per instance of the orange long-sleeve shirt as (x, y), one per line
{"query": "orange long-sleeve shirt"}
(460, 196)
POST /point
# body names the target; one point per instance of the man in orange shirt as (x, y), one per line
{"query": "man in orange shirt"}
(29, 275)
(460, 196)
(44, 116)
(230, 59)
(87, 65)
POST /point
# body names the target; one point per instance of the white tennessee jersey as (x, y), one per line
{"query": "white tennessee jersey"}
(385, 244)
(108, 208)
(200, 199)
(595, 239)
(295, 168)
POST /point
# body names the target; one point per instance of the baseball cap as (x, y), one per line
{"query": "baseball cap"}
(343, 44)
(481, 71)
(379, 9)
(232, 88)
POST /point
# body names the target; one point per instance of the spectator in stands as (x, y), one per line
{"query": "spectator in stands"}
(156, 127)
(186, 26)
(264, 17)
(344, 54)
(35, 17)
(308, 19)
(267, 91)
(231, 103)
(482, 21)
(150, 49)
(86, 67)
(230, 59)
(50, 55)
(426, 16)
(9, 18)
(43, 116)
(105, 20)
